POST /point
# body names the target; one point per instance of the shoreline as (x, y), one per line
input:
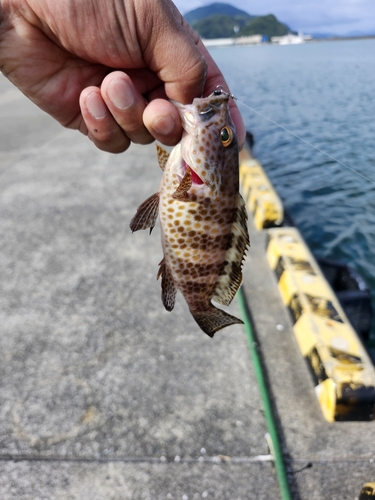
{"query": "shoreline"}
(235, 42)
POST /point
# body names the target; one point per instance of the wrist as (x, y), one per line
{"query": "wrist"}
(4, 27)
(3, 17)
(2, 14)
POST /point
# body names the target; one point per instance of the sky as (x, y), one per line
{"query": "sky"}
(338, 17)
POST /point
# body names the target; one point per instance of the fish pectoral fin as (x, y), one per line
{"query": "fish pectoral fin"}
(146, 215)
(162, 156)
(168, 287)
(183, 188)
(214, 319)
(230, 278)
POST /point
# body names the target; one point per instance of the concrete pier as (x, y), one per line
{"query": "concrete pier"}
(104, 394)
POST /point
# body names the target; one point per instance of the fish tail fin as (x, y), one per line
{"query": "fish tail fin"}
(213, 319)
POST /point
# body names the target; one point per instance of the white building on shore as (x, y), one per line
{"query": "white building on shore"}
(242, 40)
(290, 39)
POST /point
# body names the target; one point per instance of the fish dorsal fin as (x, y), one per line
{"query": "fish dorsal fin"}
(146, 215)
(183, 188)
(168, 287)
(230, 278)
(162, 156)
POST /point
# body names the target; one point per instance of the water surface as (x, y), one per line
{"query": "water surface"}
(323, 92)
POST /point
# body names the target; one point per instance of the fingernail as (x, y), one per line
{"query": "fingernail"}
(121, 94)
(96, 106)
(164, 125)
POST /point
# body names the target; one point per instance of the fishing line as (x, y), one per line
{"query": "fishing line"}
(307, 142)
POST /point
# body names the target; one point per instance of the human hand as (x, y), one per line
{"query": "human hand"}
(107, 67)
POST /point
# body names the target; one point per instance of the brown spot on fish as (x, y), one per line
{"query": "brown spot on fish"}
(203, 218)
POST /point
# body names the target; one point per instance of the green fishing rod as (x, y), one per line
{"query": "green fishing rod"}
(266, 400)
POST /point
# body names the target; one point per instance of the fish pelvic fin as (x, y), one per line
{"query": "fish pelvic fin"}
(213, 319)
(230, 278)
(183, 188)
(168, 287)
(162, 156)
(146, 215)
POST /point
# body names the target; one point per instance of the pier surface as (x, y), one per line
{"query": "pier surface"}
(104, 394)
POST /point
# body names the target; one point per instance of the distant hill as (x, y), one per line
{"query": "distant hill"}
(222, 20)
(220, 26)
(265, 25)
(223, 9)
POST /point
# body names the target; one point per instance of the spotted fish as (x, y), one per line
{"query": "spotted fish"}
(203, 216)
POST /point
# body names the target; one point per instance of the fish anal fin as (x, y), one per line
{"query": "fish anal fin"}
(183, 188)
(162, 156)
(146, 215)
(213, 319)
(230, 278)
(168, 287)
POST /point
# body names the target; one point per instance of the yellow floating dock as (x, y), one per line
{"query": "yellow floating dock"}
(368, 492)
(341, 367)
(262, 200)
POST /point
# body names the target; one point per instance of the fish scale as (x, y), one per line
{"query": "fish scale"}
(203, 217)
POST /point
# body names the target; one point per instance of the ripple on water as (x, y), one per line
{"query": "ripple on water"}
(324, 94)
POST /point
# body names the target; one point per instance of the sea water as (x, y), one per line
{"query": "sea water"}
(325, 93)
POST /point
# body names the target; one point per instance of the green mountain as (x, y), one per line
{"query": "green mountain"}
(220, 26)
(264, 25)
(218, 8)
(222, 20)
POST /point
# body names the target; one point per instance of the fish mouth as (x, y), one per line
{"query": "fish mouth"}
(195, 179)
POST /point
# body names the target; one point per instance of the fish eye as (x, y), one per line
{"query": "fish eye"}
(226, 136)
